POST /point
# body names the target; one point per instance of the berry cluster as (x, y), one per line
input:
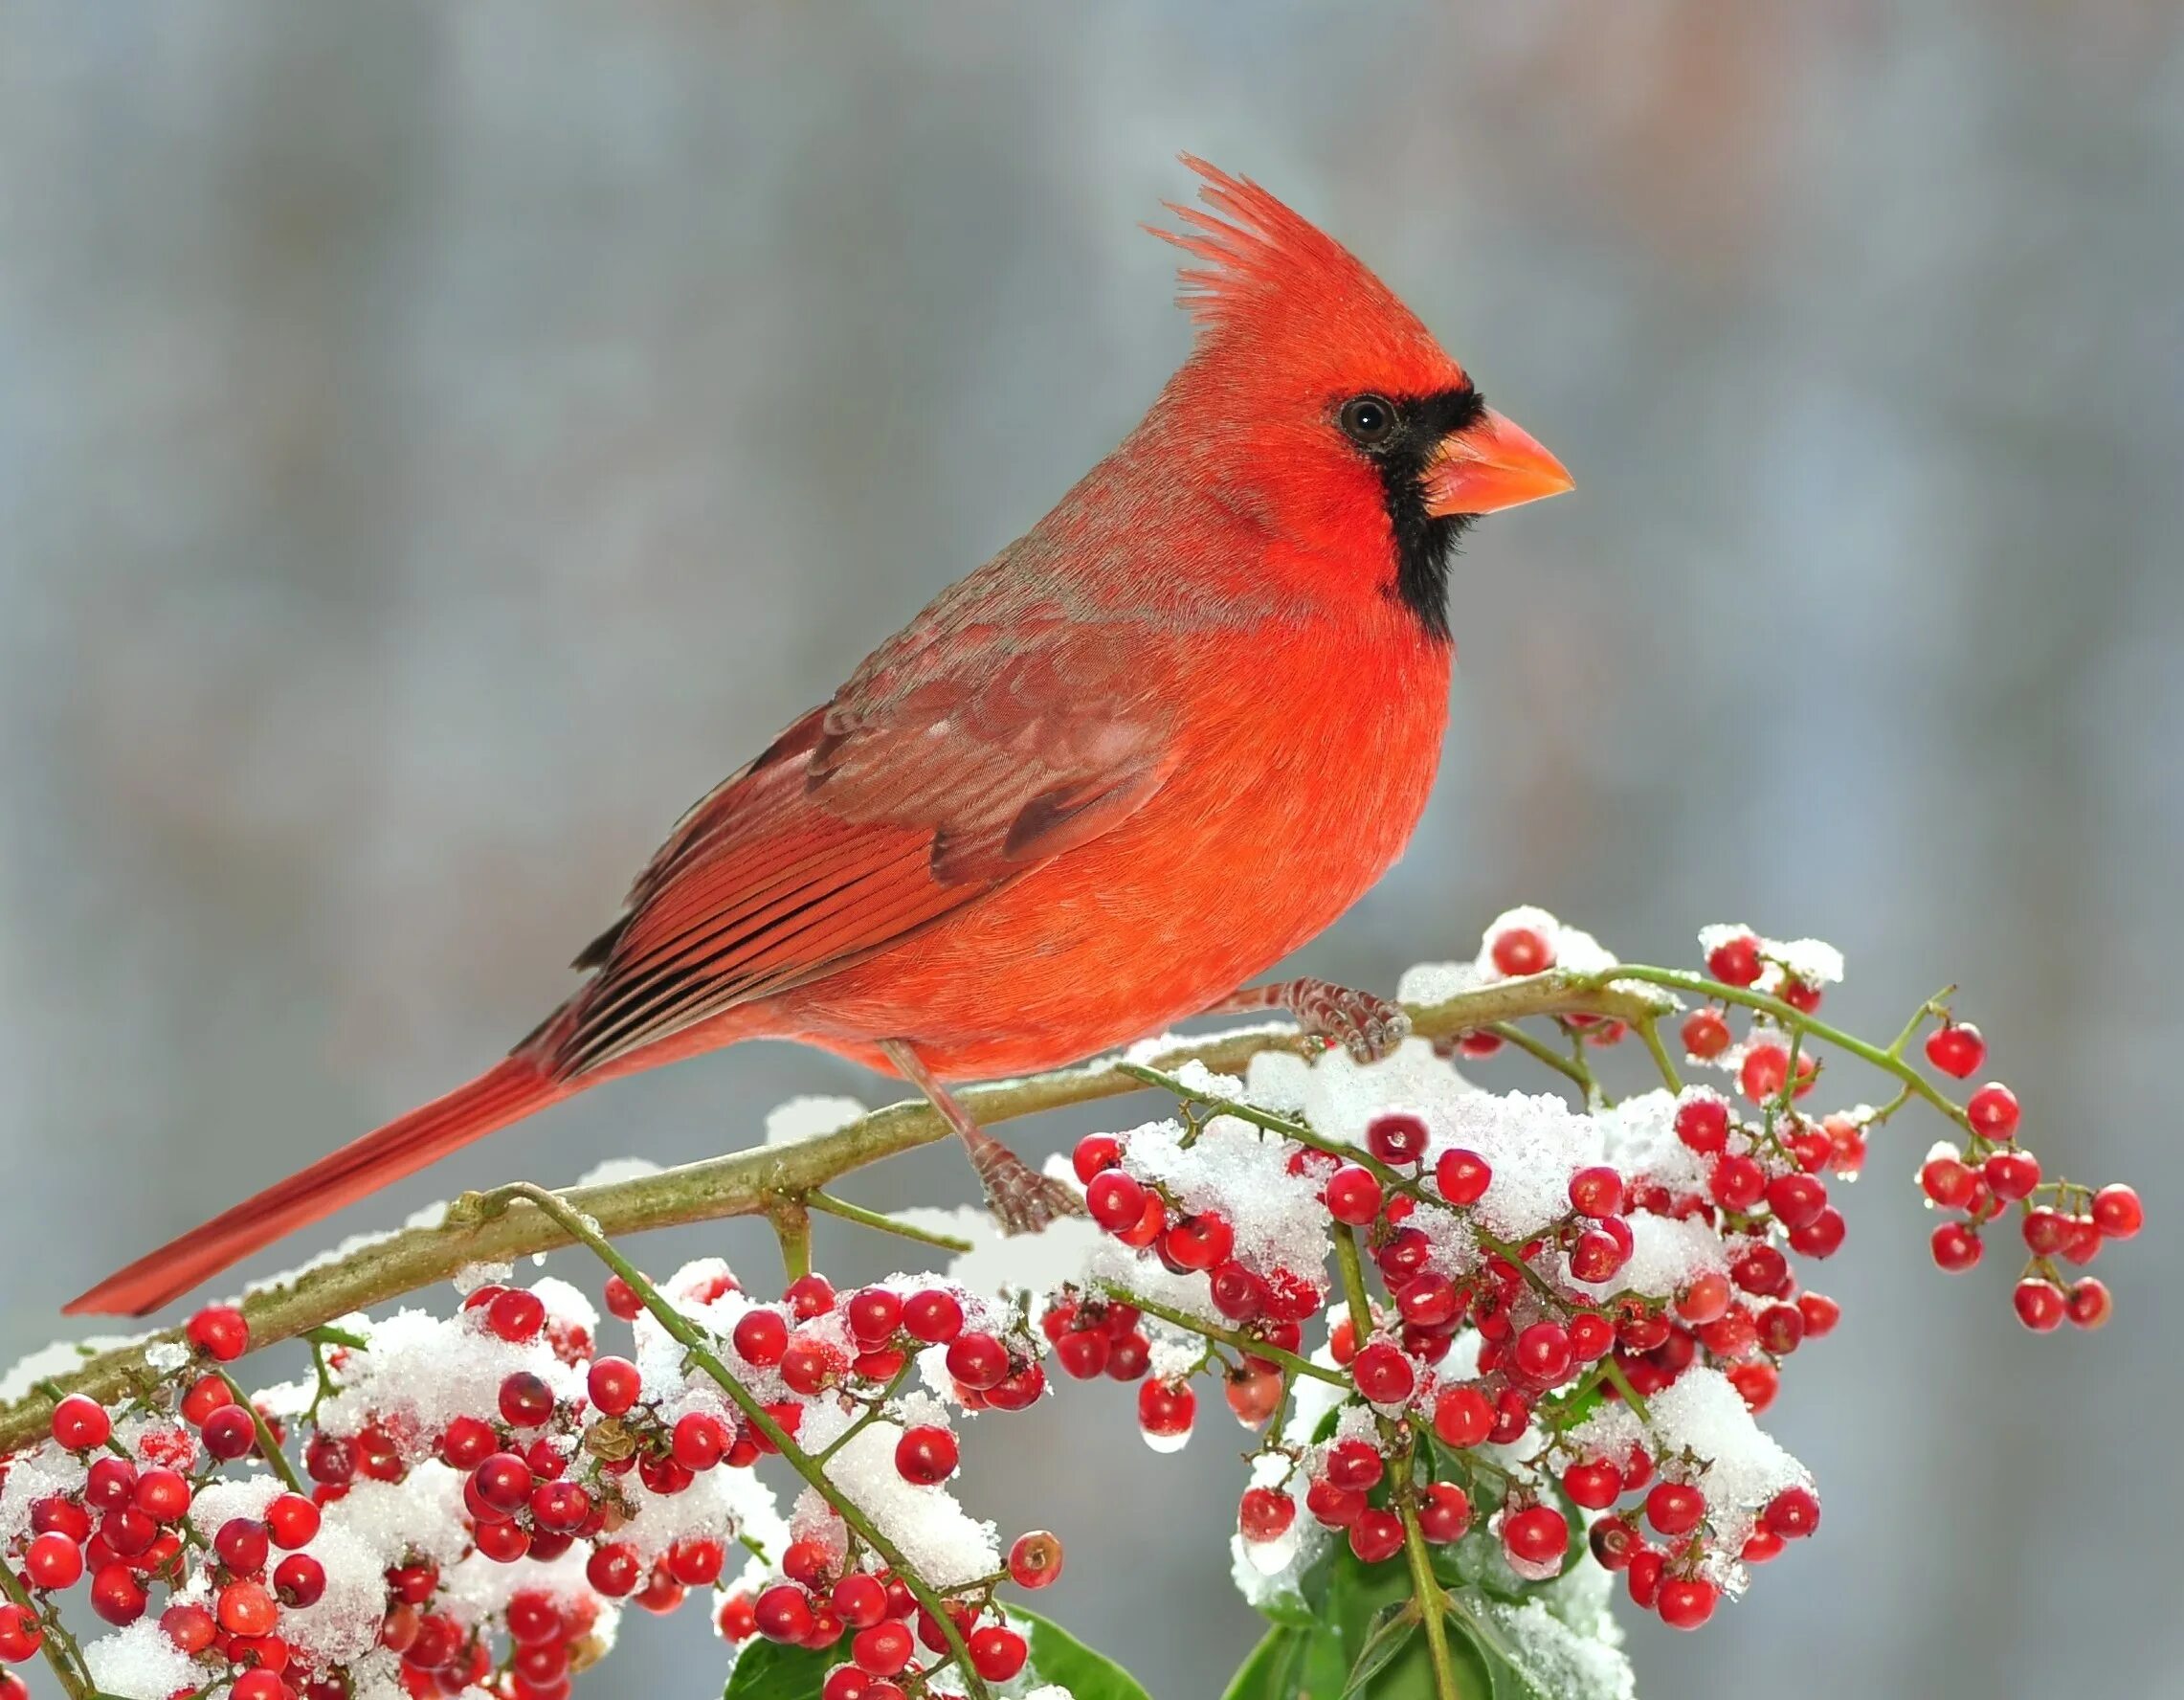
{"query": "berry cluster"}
(480, 1495)
(1522, 1335)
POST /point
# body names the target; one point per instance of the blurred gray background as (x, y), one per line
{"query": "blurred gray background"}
(436, 443)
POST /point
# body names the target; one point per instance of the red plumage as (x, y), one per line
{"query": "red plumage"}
(1145, 752)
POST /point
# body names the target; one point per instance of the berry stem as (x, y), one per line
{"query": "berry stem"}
(868, 1416)
(695, 1341)
(830, 1205)
(1432, 1605)
(56, 1643)
(268, 1448)
(1649, 1030)
(1288, 1361)
(792, 1227)
(1354, 1283)
(1791, 1019)
(1510, 1033)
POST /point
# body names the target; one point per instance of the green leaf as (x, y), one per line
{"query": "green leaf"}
(1273, 1669)
(1504, 1664)
(766, 1671)
(1059, 1657)
(1392, 1631)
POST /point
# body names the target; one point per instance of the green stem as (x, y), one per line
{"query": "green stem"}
(698, 1345)
(792, 1227)
(1354, 1283)
(1614, 1371)
(54, 1641)
(1649, 1031)
(1241, 1342)
(275, 1460)
(868, 1416)
(1793, 1020)
(1510, 1033)
(829, 1204)
(1431, 1607)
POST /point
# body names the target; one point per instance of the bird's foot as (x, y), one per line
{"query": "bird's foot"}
(1022, 1200)
(1367, 1026)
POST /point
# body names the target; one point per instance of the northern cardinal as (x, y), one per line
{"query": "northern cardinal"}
(1153, 745)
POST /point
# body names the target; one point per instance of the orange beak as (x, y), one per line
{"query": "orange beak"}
(1488, 466)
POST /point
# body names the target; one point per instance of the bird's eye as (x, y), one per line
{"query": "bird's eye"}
(1367, 420)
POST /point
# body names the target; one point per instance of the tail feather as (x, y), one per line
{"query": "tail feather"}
(500, 1095)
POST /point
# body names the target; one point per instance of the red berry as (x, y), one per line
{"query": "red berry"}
(1265, 1514)
(622, 1301)
(1462, 1417)
(700, 1441)
(809, 1296)
(1596, 1256)
(1115, 1200)
(925, 1454)
(1462, 1176)
(1688, 1601)
(932, 1315)
(1353, 1466)
(2090, 1304)
(246, 1609)
(1428, 1301)
(53, 1563)
(613, 1571)
(1735, 960)
(117, 1595)
(220, 1333)
(873, 1314)
(1703, 1123)
(515, 1313)
(1536, 1537)
(1521, 951)
(1352, 1196)
(1821, 1313)
(503, 1481)
(525, 1401)
(80, 1423)
(884, 1648)
(1542, 1353)
(1956, 1049)
(783, 1613)
(2011, 1175)
(1675, 1508)
(1797, 1199)
(1820, 1238)
(1335, 1508)
(291, 1521)
(1737, 1183)
(1237, 1293)
(1167, 1409)
(1376, 1536)
(1396, 1136)
(1705, 1034)
(1594, 1483)
(1705, 1298)
(1198, 1243)
(997, 1653)
(760, 1337)
(242, 1545)
(1034, 1559)
(2040, 1305)
(1444, 1513)
(1793, 1513)
(614, 1384)
(2046, 1231)
(299, 1579)
(1992, 1112)
(1596, 1191)
(810, 1366)
(1095, 1155)
(978, 1360)
(2117, 1212)
(1383, 1374)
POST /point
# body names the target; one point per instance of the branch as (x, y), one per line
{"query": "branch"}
(753, 1182)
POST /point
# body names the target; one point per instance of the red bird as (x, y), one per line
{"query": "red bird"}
(1147, 751)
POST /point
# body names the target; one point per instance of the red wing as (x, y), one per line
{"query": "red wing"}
(955, 760)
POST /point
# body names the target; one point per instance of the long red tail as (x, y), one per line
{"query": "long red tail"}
(500, 1095)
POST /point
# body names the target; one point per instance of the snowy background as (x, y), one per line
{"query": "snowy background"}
(436, 443)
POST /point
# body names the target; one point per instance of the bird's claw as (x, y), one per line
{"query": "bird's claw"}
(1369, 1028)
(1022, 1200)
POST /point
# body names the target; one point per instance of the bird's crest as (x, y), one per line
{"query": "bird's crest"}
(1267, 271)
